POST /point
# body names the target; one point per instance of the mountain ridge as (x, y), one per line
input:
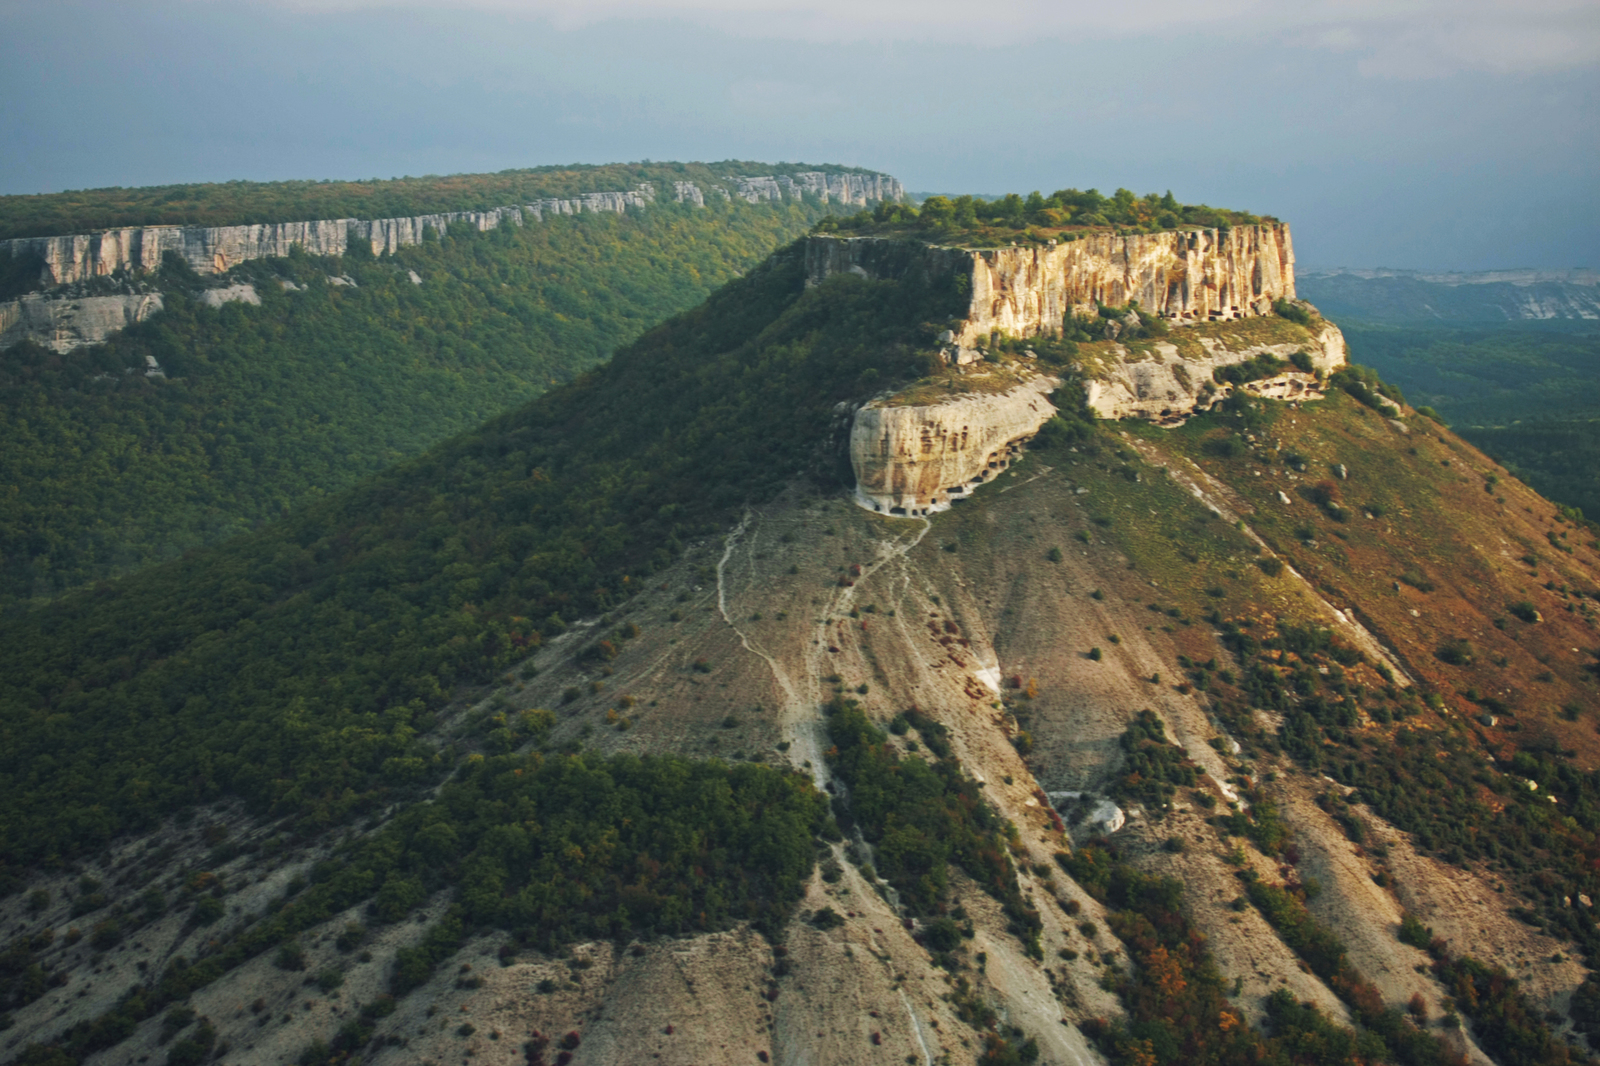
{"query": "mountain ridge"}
(661, 558)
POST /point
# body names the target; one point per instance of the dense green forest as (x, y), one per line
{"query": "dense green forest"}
(551, 848)
(1065, 213)
(1528, 394)
(1558, 457)
(235, 203)
(263, 408)
(294, 666)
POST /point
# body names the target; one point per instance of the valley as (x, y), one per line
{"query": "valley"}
(166, 388)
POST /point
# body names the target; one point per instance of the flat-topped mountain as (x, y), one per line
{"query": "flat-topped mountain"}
(1262, 731)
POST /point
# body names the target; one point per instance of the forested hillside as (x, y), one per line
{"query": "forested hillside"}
(293, 667)
(104, 469)
(239, 202)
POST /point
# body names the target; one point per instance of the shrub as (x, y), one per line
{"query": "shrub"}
(290, 956)
(1457, 652)
(942, 934)
(1292, 311)
(1270, 565)
(1414, 933)
(826, 918)
(1418, 580)
(1524, 610)
(208, 910)
(1095, 654)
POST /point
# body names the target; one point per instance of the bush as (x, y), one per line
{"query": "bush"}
(1255, 368)
(1457, 652)
(1292, 311)
(942, 934)
(1270, 565)
(826, 918)
(291, 956)
(1417, 580)
(1414, 933)
(207, 911)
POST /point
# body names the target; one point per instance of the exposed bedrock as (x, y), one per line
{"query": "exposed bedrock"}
(65, 324)
(1167, 385)
(1188, 276)
(916, 460)
(214, 249)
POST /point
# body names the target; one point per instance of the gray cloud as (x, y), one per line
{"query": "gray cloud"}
(1393, 38)
(1426, 154)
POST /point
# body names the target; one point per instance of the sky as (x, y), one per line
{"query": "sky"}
(1427, 134)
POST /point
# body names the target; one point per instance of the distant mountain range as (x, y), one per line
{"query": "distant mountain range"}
(1412, 297)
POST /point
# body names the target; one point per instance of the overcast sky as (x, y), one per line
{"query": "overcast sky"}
(1438, 134)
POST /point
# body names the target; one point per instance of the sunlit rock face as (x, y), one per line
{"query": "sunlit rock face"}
(917, 460)
(215, 249)
(1185, 276)
(65, 260)
(1164, 386)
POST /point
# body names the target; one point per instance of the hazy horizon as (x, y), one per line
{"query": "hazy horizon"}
(1433, 137)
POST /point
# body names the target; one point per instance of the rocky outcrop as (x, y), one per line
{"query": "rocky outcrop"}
(65, 324)
(214, 249)
(1167, 385)
(830, 188)
(1185, 276)
(917, 460)
(243, 293)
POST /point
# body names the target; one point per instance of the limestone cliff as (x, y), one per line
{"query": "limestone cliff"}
(65, 324)
(915, 460)
(830, 188)
(1168, 384)
(214, 249)
(1185, 276)
(1204, 283)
